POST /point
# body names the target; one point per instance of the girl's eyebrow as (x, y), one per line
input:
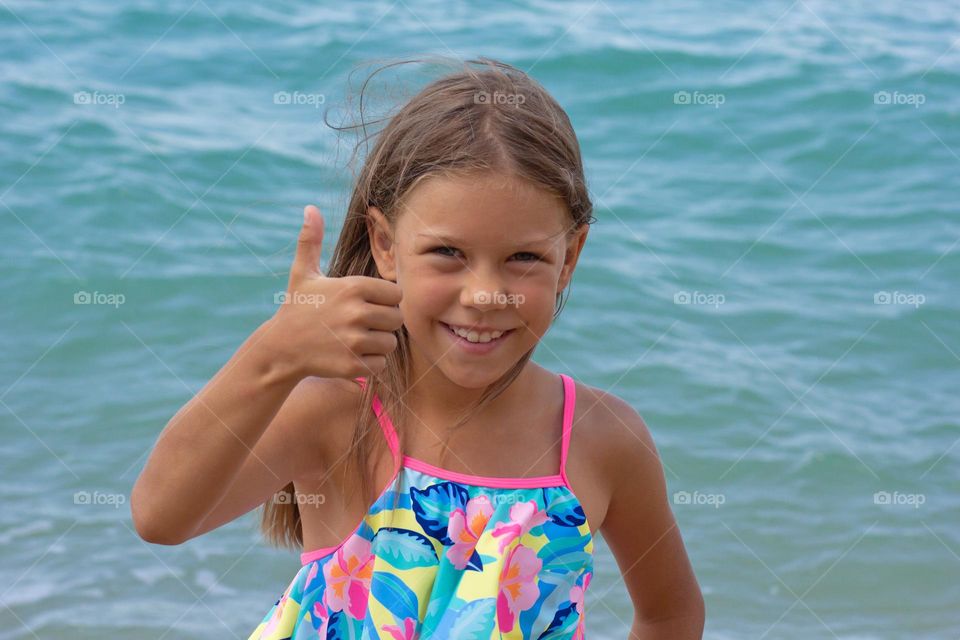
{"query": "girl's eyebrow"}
(458, 241)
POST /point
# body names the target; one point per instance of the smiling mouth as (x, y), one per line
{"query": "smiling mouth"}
(478, 341)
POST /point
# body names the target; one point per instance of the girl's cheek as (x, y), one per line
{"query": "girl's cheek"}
(535, 299)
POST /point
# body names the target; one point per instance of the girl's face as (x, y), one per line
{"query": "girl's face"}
(483, 252)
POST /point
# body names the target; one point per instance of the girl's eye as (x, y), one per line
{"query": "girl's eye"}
(530, 257)
(436, 249)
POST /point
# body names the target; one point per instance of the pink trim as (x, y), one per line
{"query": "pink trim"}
(309, 556)
(534, 482)
(386, 425)
(569, 404)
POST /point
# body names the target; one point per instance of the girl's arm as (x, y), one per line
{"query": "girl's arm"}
(208, 465)
(199, 453)
(642, 533)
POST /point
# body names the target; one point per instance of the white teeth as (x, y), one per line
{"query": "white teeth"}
(473, 336)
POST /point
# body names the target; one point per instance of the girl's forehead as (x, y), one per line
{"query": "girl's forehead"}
(482, 206)
(469, 186)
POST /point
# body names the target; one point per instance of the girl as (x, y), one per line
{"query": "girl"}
(339, 412)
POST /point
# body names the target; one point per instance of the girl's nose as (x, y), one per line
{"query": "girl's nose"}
(486, 299)
(483, 292)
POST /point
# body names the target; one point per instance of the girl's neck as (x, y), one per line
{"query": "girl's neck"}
(437, 401)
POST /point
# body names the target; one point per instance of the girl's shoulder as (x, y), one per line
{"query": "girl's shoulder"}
(603, 409)
(605, 442)
(609, 430)
(601, 418)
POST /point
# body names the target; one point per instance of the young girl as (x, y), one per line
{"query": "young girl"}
(340, 412)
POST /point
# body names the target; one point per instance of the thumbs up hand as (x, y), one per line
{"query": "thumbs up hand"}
(333, 327)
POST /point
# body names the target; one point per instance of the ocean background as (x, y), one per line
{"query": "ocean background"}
(768, 284)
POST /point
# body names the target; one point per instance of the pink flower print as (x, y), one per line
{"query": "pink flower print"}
(523, 517)
(348, 577)
(577, 591)
(518, 585)
(577, 594)
(465, 529)
(409, 631)
(311, 576)
(320, 613)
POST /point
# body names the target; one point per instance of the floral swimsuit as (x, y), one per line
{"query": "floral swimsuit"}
(462, 556)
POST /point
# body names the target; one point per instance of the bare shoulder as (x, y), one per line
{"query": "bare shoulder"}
(616, 440)
(627, 433)
(615, 425)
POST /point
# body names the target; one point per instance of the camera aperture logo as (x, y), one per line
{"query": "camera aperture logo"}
(897, 499)
(98, 98)
(498, 298)
(98, 297)
(700, 298)
(299, 498)
(498, 97)
(896, 98)
(96, 498)
(299, 297)
(899, 298)
(299, 98)
(714, 100)
(695, 498)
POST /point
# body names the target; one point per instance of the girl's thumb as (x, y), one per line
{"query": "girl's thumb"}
(307, 259)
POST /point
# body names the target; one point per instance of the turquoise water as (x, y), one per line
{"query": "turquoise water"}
(768, 284)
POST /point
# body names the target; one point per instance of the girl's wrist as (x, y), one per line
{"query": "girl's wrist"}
(273, 365)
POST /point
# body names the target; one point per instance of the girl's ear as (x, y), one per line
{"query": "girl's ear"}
(575, 244)
(382, 243)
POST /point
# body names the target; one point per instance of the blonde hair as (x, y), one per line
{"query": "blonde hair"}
(459, 123)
